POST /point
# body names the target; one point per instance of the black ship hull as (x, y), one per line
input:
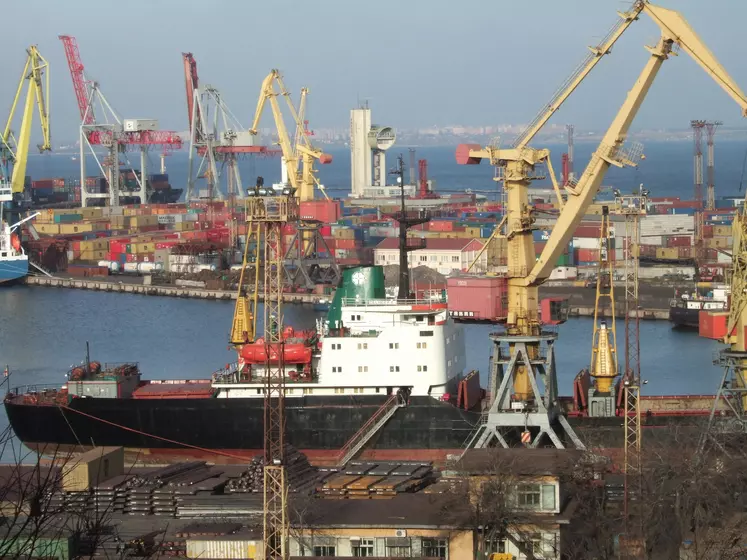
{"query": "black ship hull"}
(684, 318)
(231, 430)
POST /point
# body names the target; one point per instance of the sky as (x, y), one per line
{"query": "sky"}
(418, 63)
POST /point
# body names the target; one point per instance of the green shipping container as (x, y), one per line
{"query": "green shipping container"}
(67, 218)
(563, 260)
(128, 248)
(61, 548)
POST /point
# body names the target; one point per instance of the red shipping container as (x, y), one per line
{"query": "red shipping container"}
(326, 231)
(324, 211)
(684, 252)
(586, 230)
(712, 324)
(441, 225)
(477, 298)
(707, 231)
(586, 255)
(348, 244)
(679, 241)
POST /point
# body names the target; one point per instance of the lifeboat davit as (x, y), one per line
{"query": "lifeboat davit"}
(292, 353)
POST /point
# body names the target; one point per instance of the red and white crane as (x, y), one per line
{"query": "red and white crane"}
(100, 125)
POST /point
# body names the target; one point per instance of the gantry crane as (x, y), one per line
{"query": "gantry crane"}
(732, 389)
(308, 260)
(108, 130)
(14, 149)
(524, 354)
(217, 137)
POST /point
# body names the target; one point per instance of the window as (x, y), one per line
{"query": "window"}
(337, 346)
(308, 391)
(422, 345)
(393, 369)
(358, 390)
(336, 369)
(435, 548)
(434, 258)
(394, 346)
(362, 369)
(426, 333)
(530, 496)
(289, 391)
(423, 258)
(363, 346)
(259, 391)
(355, 317)
(325, 551)
(339, 390)
(363, 548)
(398, 547)
(378, 390)
(422, 368)
(455, 259)
(534, 543)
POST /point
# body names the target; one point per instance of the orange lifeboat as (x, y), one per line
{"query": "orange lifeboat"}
(293, 354)
(15, 241)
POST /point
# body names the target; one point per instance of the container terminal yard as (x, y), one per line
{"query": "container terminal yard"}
(366, 434)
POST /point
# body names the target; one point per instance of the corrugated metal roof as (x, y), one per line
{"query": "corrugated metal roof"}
(436, 244)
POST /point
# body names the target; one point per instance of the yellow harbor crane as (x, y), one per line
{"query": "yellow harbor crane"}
(523, 360)
(299, 158)
(604, 337)
(15, 148)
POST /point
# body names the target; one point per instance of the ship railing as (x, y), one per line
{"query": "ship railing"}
(228, 374)
(36, 388)
(355, 302)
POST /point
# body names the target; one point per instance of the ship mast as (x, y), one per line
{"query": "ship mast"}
(405, 223)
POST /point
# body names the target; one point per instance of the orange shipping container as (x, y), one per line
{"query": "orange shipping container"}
(712, 324)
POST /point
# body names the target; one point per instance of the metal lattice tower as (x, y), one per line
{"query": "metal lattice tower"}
(711, 187)
(632, 207)
(273, 212)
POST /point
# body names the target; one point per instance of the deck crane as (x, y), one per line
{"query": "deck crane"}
(216, 136)
(524, 353)
(14, 150)
(108, 130)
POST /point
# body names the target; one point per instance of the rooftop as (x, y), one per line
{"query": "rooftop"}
(436, 244)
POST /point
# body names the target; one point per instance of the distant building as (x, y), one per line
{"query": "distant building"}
(444, 255)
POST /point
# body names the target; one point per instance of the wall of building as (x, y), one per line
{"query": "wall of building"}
(360, 152)
(459, 543)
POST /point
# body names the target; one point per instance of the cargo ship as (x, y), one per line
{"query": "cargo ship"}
(385, 378)
(685, 308)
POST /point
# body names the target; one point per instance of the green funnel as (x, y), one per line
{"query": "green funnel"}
(361, 284)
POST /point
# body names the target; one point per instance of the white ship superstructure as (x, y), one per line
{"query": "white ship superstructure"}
(379, 347)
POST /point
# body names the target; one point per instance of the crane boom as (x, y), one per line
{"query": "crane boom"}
(16, 150)
(674, 30)
(301, 151)
(578, 75)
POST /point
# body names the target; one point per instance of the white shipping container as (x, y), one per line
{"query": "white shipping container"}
(723, 258)
(190, 217)
(170, 218)
(586, 243)
(564, 273)
(228, 549)
(137, 125)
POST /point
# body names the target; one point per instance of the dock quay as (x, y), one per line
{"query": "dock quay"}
(152, 290)
(201, 293)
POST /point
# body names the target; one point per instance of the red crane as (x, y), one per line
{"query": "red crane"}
(86, 91)
(108, 131)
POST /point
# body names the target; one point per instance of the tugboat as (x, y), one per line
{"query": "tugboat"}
(685, 307)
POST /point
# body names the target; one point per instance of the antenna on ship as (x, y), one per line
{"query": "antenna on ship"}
(405, 223)
(88, 359)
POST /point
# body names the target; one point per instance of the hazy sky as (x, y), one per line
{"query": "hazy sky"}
(418, 62)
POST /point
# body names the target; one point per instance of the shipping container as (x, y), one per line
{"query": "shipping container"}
(477, 298)
(712, 324)
(679, 241)
(226, 547)
(324, 211)
(667, 253)
(92, 467)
